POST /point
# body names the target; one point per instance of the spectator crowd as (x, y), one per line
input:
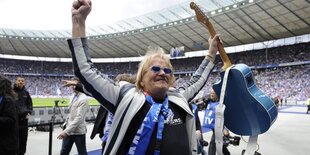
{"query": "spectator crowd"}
(290, 81)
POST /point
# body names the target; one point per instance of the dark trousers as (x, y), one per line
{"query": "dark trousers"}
(308, 109)
(212, 147)
(23, 136)
(80, 143)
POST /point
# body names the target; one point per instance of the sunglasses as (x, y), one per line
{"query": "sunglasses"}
(157, 69)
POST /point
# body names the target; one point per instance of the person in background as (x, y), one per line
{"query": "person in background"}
(277, 101)
(308, 104)
(75, 130)
(24, 108)
(149, 118)
(209, 121)
(201, 142)
(104, 118)
(9, 139)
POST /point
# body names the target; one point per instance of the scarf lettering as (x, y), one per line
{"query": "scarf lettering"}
(143, 136)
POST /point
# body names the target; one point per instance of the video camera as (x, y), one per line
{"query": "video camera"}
(57, 101)
(231, 140)
(203, 143)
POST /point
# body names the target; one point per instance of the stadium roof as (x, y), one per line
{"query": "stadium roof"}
(239, 22)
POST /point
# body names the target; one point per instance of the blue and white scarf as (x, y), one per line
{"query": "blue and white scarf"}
(158, 113)
(107, 127)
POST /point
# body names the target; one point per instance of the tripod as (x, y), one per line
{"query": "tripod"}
(56, 109)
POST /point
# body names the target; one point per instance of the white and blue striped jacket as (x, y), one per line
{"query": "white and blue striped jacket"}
(125, 107)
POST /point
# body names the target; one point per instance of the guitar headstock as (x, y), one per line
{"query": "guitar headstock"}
(202, 18)
(200, 15)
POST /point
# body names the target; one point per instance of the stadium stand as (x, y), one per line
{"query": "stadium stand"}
(271, 67)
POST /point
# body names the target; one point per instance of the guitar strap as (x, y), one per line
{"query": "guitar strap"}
(219, 116)
(251, 147)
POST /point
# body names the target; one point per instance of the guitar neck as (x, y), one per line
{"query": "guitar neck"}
(204, 20)
(223, 55)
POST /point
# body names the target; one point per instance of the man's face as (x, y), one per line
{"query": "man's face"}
(20, 82)
(213, 96)
(155, 81)
(73, 86)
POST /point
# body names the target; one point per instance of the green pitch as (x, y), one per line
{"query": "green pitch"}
(50, 102)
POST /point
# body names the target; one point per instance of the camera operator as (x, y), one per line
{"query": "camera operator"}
(209, 121)
(201, 142)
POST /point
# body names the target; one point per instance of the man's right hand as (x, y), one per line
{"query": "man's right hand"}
(62, 135)
(80, 10)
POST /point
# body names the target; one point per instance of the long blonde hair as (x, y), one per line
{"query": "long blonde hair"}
(152, 52)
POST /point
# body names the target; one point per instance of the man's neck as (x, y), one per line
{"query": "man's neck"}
(157, 97)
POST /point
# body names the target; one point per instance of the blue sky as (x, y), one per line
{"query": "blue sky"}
(56, 15)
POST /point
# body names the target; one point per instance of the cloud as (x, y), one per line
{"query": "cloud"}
(55, 14)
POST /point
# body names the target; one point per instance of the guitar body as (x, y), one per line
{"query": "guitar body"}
(248, 110)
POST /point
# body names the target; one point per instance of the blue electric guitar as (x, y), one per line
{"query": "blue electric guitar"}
(248, 110)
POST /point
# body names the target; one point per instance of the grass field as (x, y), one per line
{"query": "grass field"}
(63, 102)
